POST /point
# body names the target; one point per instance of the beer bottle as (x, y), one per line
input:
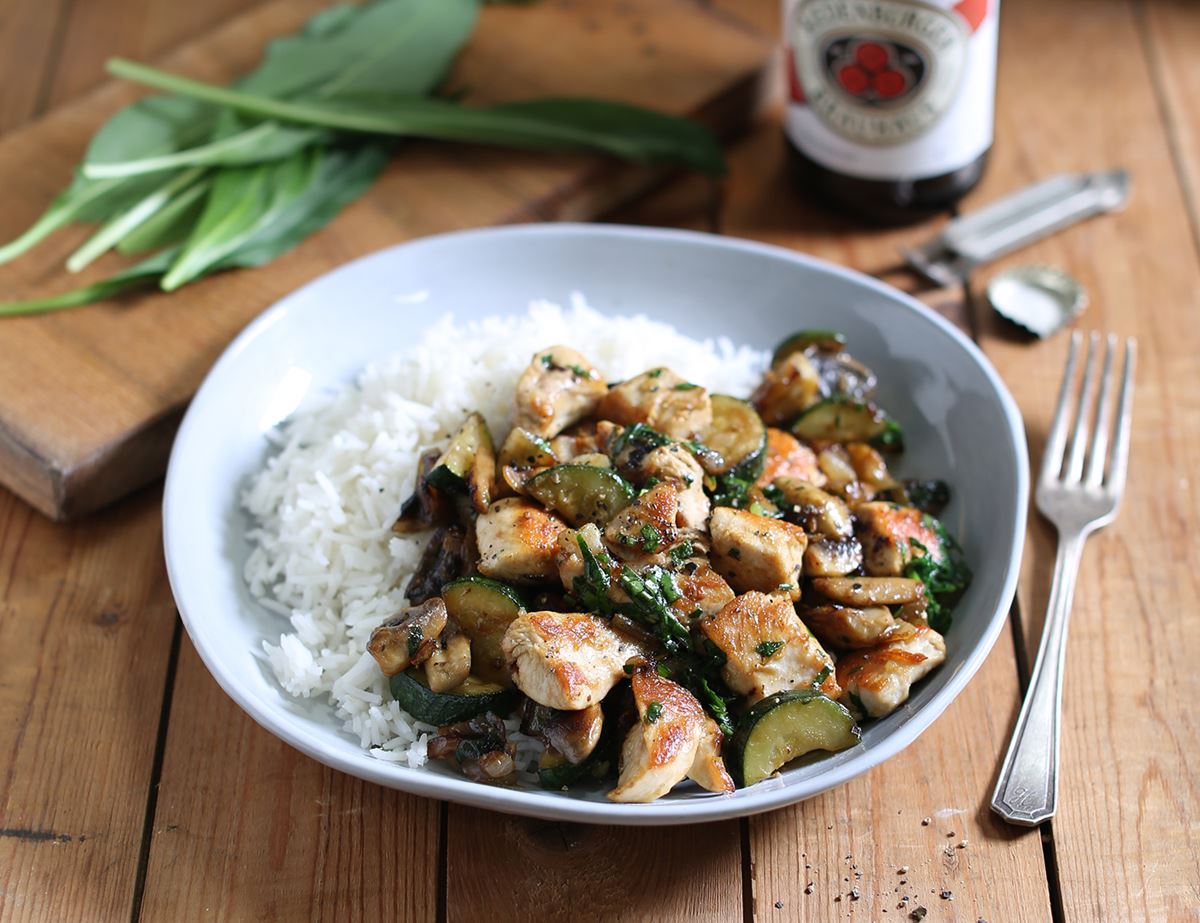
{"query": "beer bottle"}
(890, 102)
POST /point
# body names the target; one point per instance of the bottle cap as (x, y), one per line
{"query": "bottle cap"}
(1041, 299)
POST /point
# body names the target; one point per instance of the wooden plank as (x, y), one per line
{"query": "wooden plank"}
(92, 396)
(1125, 838)
(85, 627)
(247, 828)
(28, 46)
(562, 871)
(1172, 31)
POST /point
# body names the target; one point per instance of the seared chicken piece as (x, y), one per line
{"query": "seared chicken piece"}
(817, 512)
(673, 464)
(879, 679)
(847, 628)
(887, 533)
(832, 557)
(787, 388)
(788, 457)
(409, 636)
(645, 530)
(767, 648)
(700, 588)
(518, 541)
(662, 400)
(674, 739)
(757, 552)
(559, 387)
(566, 660)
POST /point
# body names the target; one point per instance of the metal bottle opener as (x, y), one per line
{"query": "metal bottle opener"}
(1015, 221)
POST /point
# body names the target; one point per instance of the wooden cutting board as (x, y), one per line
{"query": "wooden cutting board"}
(90, 398)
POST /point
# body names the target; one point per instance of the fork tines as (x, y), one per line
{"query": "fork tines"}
(1090, 463)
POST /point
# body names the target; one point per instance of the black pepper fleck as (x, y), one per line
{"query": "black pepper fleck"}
(779, 905)
(855, 894)
(962, 844)
(903, 870)
(946, 895)
(918, 914)
(808, 888)
(925, 821)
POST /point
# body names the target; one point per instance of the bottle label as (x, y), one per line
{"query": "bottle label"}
(891, 89)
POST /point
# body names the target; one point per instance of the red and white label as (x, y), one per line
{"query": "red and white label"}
(891, 89)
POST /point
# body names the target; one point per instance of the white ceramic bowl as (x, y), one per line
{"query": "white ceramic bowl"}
(961, 424)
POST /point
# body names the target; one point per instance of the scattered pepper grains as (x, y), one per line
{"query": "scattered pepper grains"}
(962, 844)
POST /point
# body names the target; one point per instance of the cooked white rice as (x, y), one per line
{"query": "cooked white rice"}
(323, 552)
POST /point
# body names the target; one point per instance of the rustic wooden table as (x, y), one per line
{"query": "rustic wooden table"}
(132, 787)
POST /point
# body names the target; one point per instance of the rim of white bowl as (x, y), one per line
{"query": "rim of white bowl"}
(546, 805)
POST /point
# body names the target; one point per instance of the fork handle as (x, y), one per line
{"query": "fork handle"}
(1027, 790)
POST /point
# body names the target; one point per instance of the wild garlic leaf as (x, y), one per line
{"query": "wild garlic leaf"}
(151, 127)
(126, 222)
(172, 223)
(242, 201)
(393, 47)
(555, 124)
(140, 275)
(342, 175)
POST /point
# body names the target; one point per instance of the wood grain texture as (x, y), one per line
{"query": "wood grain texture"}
(498, 865)
(246, 828)
(1126, 835)
(92, 396)
(85, 627)
(29, 45)
(1171, 32)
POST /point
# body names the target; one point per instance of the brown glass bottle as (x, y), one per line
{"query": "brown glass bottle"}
(890, 106)
(890, 202)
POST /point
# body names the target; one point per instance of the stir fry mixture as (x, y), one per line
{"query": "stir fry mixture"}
(667, 584)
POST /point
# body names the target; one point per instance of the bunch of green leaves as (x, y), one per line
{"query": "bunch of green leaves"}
(212, 177)
(945, 576)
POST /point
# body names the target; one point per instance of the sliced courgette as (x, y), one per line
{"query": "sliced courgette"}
(581, 493)
(523, 449)
(472, 698)
(738, 435)
(843, 419)
(469, 463)
(483, 609)
(785, 726)
(825, 340)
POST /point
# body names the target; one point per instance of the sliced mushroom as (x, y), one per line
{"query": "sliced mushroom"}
(787, 388)
(869, 466)
(814, 510)
(849, 628)
(479, 747)
(870, 591)
(832, 557)
(408, 637)
(449, 663)
(574, 734)
(426, 507)
(447, 556)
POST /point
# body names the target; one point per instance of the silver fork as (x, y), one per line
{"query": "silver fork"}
(1079, 490)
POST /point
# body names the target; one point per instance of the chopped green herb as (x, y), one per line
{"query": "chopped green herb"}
(681, 552)
(786, 587)
(822, 676)
(653, 712)
(654, 373)
(775, 495)
(548, 360)
(685, 386)
(650, 597)
(651, 538)
(663, 670)
(942, 579)
(716, 706)
(593, 585)
(696, 613)
(768, 648)
(416, 637)
(580, 371)
(644, 437)
(856, 701)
